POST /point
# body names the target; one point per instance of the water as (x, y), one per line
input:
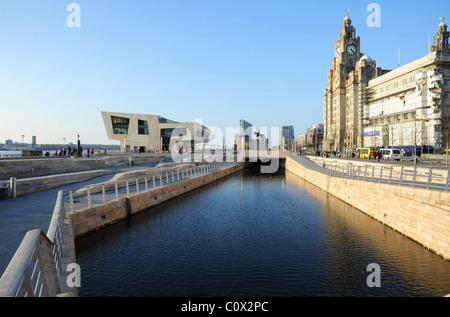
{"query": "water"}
(259, 236)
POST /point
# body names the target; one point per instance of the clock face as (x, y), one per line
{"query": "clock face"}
(351, 50)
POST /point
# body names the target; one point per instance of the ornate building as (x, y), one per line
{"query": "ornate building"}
(365, 106)
(343, 96)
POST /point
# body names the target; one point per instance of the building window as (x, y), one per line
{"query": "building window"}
(165, 139)
(143, 127)
(405, 81)
(120, 125)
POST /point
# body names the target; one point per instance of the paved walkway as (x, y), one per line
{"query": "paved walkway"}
(34, 211)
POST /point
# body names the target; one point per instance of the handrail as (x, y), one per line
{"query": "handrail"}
(28, 274)
(432, 178)
(55, 231)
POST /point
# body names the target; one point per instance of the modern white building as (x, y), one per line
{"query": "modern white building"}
(153, 133)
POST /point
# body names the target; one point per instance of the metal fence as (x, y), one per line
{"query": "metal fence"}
(432, 178)
(100, 194)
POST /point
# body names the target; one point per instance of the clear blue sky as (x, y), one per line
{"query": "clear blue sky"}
(264, 61)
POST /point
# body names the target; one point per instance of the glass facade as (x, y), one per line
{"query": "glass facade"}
(120, 125)
(143, 127)
(165, 139)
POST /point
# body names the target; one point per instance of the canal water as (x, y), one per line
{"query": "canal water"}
(260, 236)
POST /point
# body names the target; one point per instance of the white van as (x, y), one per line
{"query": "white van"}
(391, 154)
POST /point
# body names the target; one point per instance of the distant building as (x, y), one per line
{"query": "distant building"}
(302, 140)
(244, 135)
(314, 136)
(287, 139)
(33, 140)
(153, 133)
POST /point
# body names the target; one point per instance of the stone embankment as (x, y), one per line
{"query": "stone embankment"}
(420, 214)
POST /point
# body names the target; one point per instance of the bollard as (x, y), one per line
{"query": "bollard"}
(13, 187)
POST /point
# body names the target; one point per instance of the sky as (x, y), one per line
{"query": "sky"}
(214, 61)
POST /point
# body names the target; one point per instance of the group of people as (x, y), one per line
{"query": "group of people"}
(66, 151)
(73, 152)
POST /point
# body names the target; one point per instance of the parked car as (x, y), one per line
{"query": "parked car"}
(391, 154)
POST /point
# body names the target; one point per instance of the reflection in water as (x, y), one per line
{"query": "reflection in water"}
(255, 235)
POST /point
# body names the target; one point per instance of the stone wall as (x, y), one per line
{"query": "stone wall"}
(421, 215)
(99, 217)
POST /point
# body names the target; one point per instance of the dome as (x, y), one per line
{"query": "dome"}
(365, 58)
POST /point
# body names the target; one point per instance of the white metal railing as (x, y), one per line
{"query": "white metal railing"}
(99, 194)
(432, 178)
(35, 269)
(31, 272)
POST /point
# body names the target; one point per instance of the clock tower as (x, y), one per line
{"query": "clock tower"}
(347, 50)
(342, 97)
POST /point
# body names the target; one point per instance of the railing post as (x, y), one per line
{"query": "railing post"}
(103, 194)
(390, 175)
(160, 180)
(72, 207)
(381, 174)
(178, 175)
(128, 188)
(173, 178)
(448, 180)
(401, 176)
(89, 197)
(154, 182)
(429, 178)
(116, 188)
(146, 183)
(137, 185)
(414, 176)
(167, 178)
